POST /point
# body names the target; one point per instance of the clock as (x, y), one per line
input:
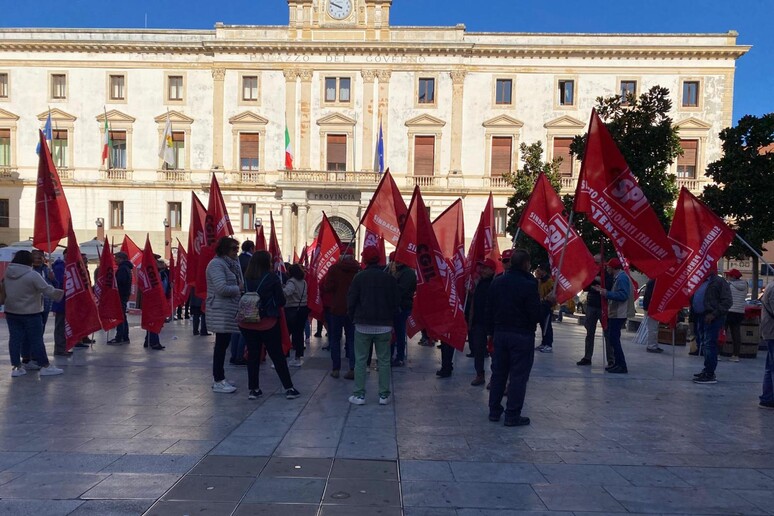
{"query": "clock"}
(339, 9)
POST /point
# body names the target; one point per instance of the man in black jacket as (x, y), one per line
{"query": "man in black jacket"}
(407, 286)
(124, 284)
(372, 302)
(593, 314)
(513, 312)
(477, 318)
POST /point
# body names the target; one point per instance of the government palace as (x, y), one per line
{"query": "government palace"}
(453, 106)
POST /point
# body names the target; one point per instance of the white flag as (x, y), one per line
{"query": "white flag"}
(166, 151)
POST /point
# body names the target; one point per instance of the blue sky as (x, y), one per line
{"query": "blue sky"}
(751, 18)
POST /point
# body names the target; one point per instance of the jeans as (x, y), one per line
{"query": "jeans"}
(363, 342)
(734, 324)
(153, 339)
(122, 330)
(271, 339)
(614, 327)
(546, 327)
(477, 339)
(593, 316)
(307, 329)
(26, 330)
(399, 323)
(199, 320)
(514, 353)
(222, 341)
(337, 323)
(237, 344)
(709, 340)
(60, 342)
(296, 319)
(447, 358)
(767, 393)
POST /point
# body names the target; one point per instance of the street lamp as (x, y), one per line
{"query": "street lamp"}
(167, 239)
(100, 222)
(258, 222)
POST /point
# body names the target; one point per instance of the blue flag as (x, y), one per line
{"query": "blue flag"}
(380, 149)
(47, 131)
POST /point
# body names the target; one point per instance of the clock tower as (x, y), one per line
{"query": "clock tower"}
(370, 16)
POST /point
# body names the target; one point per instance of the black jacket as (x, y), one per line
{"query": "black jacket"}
(244, 260)
(373, 297)
(477, 302)
(124, 280)
(593, 298)
(513, 303)
(407, 286)
(270, 290)
(647, 294)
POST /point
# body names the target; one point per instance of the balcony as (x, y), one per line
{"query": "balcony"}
(250, 177)
(424, 181)
(116, 174)
(9, 172)
(568, 183)
(174, 176)
(695, 186)
(326, 176)
(496, 182)
(65, 173)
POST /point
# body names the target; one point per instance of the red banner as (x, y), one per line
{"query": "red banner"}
(52, 214)
(132, 251)
(180, 278)
(609, 194)
(216, 223)
(484, 245)
(325, 254)
(699, 239)
(196, 239)
(111, 313)
(542, 219)
(386, 212)
(81, 315)
(260, 239)
(274, 249)
(437, 307)
(155, 308)
(449, 229)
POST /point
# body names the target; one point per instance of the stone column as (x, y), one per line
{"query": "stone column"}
(458, 82)
(303, 210)
(291, 74)
(306, 118)
(384, 110)
(218, 77)
(369, 148)
(287, 223)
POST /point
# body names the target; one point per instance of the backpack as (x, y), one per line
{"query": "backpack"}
(250, 306)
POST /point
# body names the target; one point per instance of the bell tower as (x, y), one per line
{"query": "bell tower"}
(373, 16)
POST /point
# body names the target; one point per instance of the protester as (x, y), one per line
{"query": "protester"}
(199, 318)
(224, 287)
(736, 312)
(651, 323)
(24, 291)
(39, 265)
(237, 345)
(336, 283)
(86, 340)
(124, 285)
(58, 307)
(248, 248)
(152, 338)
(477, 318)
(296, 310)
(593, 315)
(620, 302)
(407, 286)
(709, 305)
(373, 299)
(546, 289)
(260, 278)
(513, 311)
(767, 334)
(184, 310)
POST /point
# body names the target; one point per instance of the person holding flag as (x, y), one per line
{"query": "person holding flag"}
(620, 300)
(124, 283)
(593, 315)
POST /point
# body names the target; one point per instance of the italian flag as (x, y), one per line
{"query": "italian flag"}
(288, 150)
(106, 144)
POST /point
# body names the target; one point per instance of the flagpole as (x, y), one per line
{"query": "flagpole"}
(761, 258)
(107, 137)
(558, 270)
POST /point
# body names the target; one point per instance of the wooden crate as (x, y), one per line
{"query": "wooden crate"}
(665, 334)
(751, 339)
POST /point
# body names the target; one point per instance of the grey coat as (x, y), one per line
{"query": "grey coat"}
(767, 321)
(223, 293)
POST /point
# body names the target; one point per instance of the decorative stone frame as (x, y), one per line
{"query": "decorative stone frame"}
(118, 121)
(337, 123)
(10, 121)
(61, 120)
(425, 75)
(623, 78)
(700, 96)
(500, 77)
(176, 73)
(8, 74)
(563, 127)
(330, 75)
(555, 94)
(108, 99)
(180, 122)
(501, 125)
(694, 129)
(240, 100)
(247, 122)
(50, 85)
(425, 125)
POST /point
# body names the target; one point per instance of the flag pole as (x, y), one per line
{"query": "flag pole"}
(761, 258)
(558, 269)
(107, 138)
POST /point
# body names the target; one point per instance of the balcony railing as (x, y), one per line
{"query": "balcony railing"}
(116, 174)
(251, 177)
(174, 176)
(65, 174)
(8, 172)
(496, 182)
(692, 184)
(423, 181)
(568, 183)
(326, 176)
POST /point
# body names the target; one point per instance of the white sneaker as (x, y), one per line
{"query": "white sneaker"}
(223, 387)
(357, 400)
(547, 349)
(385, 400)
(50, 371)
(230, 382)
(18, 371)
(31, 366)
(298, 362)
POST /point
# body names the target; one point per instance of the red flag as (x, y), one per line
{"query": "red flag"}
(180, 281)
(437, 307)
(155, 307)
(295, 255)
(284, 333)
(609, 194)
(373, 240)
(542, 219)
(484, 245)
(386, 212)
(132, 251)
(196, 239)
(52, 214)
(260, 239)
(82, 315)
(111, 313)
(699, 239)
(216, 222)
(602, 272)
(325, 254)
(274, 249)
(449, 229)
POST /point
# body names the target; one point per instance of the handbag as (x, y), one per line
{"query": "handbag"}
(249, 310)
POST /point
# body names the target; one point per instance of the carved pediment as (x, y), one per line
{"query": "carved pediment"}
(176, 117)
(336, 119)
(693, 123)
(425, 121)
(57, 114)
(115, 115)
(504, 121)
(248, 117)
(7, 115)
(564, 122)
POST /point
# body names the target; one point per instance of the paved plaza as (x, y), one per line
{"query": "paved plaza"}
(127, 430)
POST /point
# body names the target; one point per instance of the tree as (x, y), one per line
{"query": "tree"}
(523, 182)
(744, 182)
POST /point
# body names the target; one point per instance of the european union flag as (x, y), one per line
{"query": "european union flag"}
(47, 131)
(380, 149)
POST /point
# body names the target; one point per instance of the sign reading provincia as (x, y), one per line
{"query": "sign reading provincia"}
(333, 195)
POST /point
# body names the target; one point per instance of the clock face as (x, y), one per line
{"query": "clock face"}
(339, 9)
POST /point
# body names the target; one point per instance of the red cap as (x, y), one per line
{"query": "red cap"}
(488, 263)
(506, 256)
(370, 255)
(734, 273)
(614, 263)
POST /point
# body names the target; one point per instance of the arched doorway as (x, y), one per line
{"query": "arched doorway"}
(343, 228)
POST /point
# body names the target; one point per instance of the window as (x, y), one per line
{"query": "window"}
(5, 147)
(248, 217)
(248, 151)
(503, 91)
(178, 149)
(426, 94)
(175, 87)
(116, 214)
(117, 149)
(562, 150)
(5, 213)
(175, 215)
(3, 85)
(424, 155)
(691, 94)
(502, 147)
(686, 164)
(628, 88)
(250, 87)
(566, 93)
(117, 83)
(337, 152)
(337, 89)
(59, 148)
(58, 86)
(500, 220)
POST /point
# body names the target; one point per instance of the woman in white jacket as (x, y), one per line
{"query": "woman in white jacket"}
(24, 290)
(735, 314)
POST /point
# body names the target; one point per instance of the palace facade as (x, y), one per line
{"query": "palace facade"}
(453, 107)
